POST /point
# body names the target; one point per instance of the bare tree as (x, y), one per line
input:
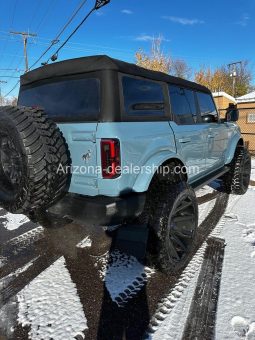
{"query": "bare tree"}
(157, 60)
(220, 80)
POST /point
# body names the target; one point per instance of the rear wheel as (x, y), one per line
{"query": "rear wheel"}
(172, 221)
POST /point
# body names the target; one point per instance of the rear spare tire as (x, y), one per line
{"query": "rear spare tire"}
(31, 150)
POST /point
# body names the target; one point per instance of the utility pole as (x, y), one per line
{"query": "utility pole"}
(25, 36)
(1, 99)
(233, 74)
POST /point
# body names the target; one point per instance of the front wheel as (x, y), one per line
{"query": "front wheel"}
(237, 180)
(173, 222)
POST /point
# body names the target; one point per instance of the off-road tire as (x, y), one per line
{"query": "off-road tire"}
(236, 181)
(37, 148)
(163, 203)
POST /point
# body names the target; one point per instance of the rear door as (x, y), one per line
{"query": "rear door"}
(81, 140)
(190, 136)
(216, 133)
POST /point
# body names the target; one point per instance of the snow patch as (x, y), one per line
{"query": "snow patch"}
(204, 191)
(13, 221)
(236, 300)
(50, 306)
(204, 210)
(243, 328)
(240, 325)
(3, 261)
(124, 275)
(249, 234)
(85, 243)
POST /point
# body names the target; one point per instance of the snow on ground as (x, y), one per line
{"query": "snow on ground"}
(13, 221)
(85, 243)
(50, 306)
(169, 321)
(3, 261)
(236, 312)
(122, 272)
(204, 210)
(204, 191)
(253, 169)
(6, 280)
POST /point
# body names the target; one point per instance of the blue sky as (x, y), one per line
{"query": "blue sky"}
(200, 32)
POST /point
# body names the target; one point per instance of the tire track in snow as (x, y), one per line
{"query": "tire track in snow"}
(169, 303)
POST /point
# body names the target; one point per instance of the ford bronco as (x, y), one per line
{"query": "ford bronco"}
(99, 138)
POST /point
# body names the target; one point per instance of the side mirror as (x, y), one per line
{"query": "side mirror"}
(208, 119)
(232, 115)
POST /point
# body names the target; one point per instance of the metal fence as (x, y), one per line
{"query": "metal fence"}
(247, 124)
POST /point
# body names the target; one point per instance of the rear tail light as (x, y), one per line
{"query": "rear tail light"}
(110, 158)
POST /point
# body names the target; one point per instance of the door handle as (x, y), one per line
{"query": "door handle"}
(210, 136)
(184, 140)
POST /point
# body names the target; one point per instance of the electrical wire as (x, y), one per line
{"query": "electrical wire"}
(55, 55)
(54, 41)
(48, 10)
(99, 4)
(13, 13)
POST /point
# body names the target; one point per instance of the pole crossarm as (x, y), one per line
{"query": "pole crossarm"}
(25, 36)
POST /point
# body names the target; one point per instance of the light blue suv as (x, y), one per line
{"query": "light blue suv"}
(100, 139)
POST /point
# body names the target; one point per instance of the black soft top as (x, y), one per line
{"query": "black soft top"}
(100, 63)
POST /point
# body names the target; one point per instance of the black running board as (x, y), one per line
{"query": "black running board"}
(209, 178)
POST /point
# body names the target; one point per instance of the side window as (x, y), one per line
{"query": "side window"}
(142, 97)
(207, 107)
(183, 105)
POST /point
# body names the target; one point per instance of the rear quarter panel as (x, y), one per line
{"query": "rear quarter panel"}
(142, 144)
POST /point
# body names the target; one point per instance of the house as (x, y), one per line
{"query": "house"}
(222, 100)
(246, 106)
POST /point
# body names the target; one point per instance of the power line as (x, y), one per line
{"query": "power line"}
(13, 13)
(10, 69)
(8, 77)
(49, 8)
(98, 5)
(54, 41)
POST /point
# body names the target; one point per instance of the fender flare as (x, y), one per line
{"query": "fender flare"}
(237, 140)
(143, 180)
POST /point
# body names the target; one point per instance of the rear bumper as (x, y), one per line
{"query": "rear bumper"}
(100, 210)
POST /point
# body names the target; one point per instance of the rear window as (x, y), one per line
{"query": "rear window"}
(68, 100)
(142, 97)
